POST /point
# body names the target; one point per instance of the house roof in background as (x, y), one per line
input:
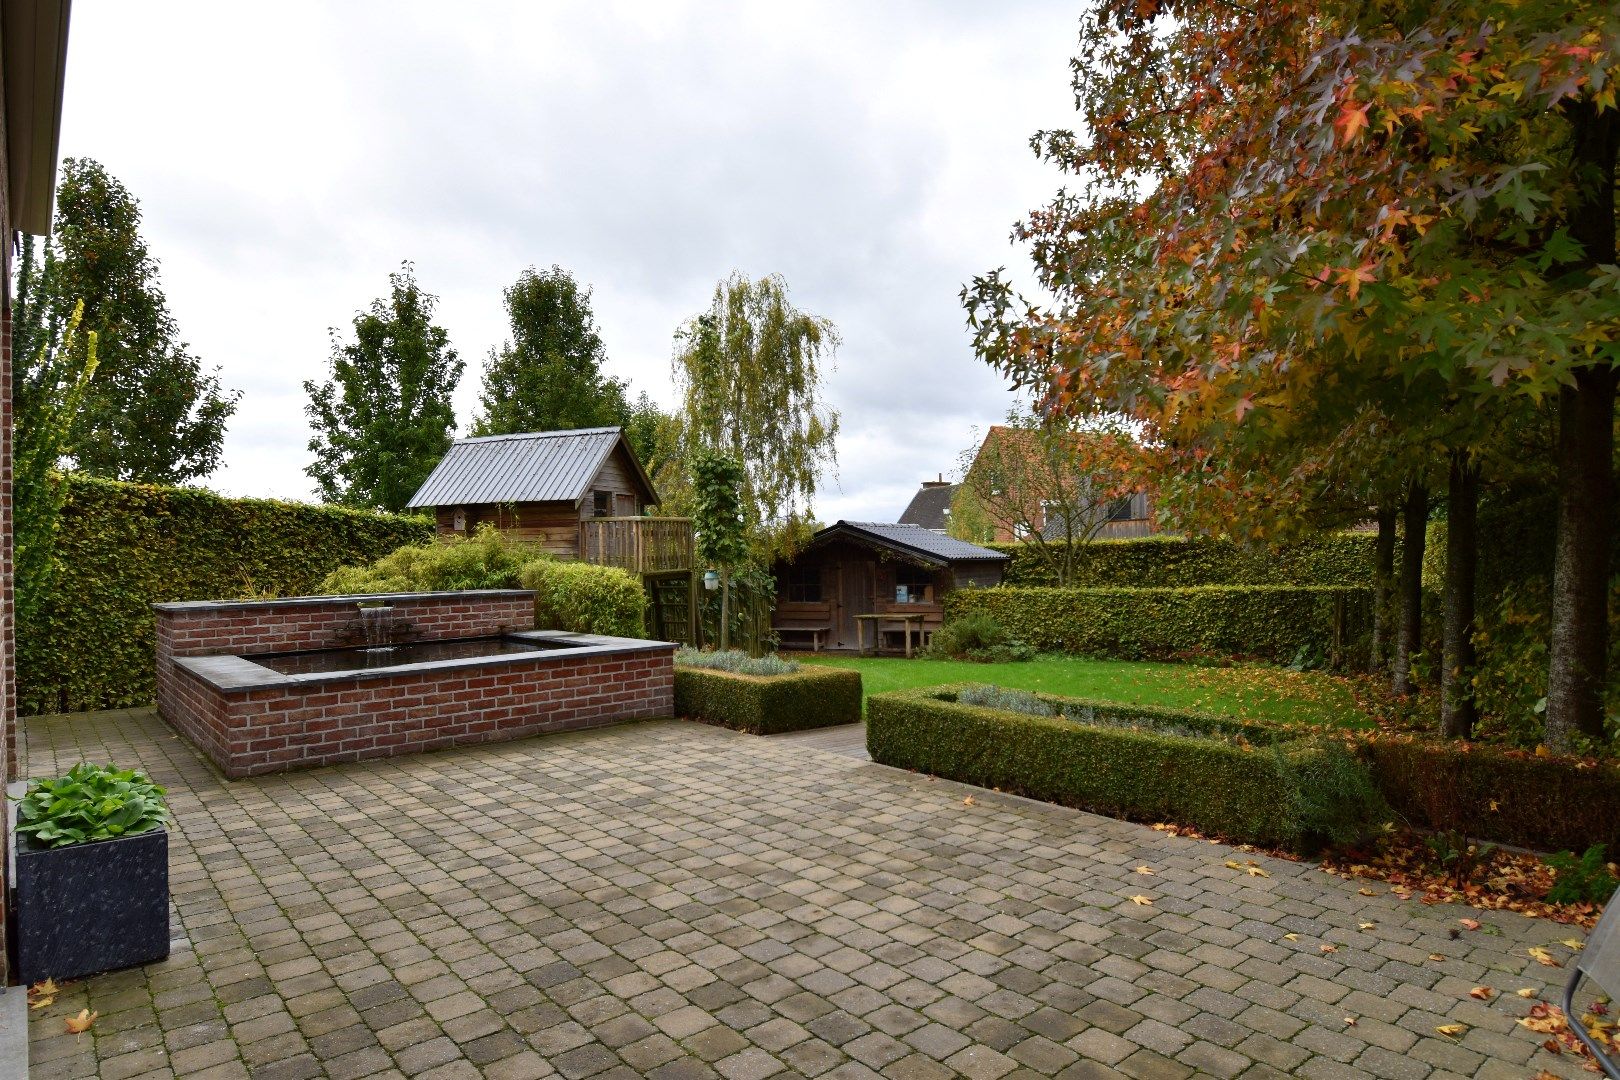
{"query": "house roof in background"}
(538, 466)
(930, 507)
(913, 540)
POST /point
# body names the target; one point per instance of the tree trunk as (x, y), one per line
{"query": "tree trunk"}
(1409, 632)
(1576, 672)
(1383, 580)
(1580, 626)
(1457, 709)
(725, 608)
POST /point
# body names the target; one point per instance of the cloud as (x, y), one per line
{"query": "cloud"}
(875, 155)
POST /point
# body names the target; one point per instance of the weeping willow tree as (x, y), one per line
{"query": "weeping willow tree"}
(750, 372)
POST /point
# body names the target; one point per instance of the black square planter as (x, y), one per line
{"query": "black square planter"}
(86, 908)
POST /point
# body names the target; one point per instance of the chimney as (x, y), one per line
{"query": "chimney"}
(938, 482)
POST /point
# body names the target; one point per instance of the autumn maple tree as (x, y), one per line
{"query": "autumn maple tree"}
(1283, 211)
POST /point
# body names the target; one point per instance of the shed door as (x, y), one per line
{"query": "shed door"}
(856, 582)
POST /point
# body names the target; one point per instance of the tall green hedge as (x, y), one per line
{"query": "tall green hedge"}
(1269, 622)
(125, 547)
(1344, 558)
(1294, 792)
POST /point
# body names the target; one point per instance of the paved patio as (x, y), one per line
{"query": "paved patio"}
(673, 900)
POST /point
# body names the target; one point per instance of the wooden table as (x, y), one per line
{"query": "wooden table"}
(905, 619)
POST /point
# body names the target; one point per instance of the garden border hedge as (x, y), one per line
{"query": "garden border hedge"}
(123, 547)
(1273, 622)
(811, 697)
(1341, 558)
(1273, 794)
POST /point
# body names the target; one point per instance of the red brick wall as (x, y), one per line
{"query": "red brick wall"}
(258, 730)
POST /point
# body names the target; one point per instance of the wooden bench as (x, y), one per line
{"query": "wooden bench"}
(815, 632)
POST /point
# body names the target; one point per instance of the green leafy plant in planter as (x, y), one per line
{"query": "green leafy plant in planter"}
(90, 803)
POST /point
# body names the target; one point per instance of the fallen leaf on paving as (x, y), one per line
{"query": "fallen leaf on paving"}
(1526, 992)
(1543, 957)
(1483, 993)
(1255, 871)
(1469, 924)
(1328, 948)
(1366, 892)
(82, 1022)
(968, 801)
(1232, 864)
(1142, 901)
(1365, 925)
(1573, 943)
(1349, 1021)
(1290, 937)
(1146, 871)
(42, 994)
(1452, 1031)
(1437, 957)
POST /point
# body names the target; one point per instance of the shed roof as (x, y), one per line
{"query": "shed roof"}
(537, 466)
(914, 540)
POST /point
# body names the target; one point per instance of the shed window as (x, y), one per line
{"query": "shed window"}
(913, 585)
(803, 585)
(601, 504)
(1122, 509)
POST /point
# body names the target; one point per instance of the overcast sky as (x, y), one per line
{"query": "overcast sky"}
(288, 157)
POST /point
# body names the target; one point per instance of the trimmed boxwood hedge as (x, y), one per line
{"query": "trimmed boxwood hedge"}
(124, 547)
(1273, 622)
(1509, 796)
(769, 704)
(1293, 792)
(1344, 558)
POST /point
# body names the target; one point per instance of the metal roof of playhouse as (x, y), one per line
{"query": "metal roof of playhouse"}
(913, 540)
(537, 466)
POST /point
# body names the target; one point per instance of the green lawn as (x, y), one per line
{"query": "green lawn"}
(1249, 691)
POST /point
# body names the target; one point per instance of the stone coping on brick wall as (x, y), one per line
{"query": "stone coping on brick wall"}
(345, 599)
(239, 674)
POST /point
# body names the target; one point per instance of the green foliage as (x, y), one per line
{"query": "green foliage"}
(549, 376)
(1270, 622)
(1461, 860)
(152, 414)
(42, 441)
(995, 697)
(768, 704)
(1587, 879)
(1508, 796)
(750, 373)
(1289, 793)
(485, 560)
(122, 547)
(585, 598)
(717, 487)
(383, 417)
(1344, 558)
(735, 661)
(977, 636)
(90, 803)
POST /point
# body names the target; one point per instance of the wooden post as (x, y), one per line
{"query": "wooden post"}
(725, 608)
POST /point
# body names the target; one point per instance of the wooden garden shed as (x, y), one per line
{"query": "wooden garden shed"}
(867, 583)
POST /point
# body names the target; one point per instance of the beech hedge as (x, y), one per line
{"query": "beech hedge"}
(1272, 622)
(811, 697)
(1344, 558)
(1280, 787)
(124, 547)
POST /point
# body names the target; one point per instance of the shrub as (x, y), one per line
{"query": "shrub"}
(1270, 622)
(585, 598)
(90, 803)
(120, 548)
(735, 661)
(1160, 561)
(768, 704)
(977, 636)
(1586, 880)
(1285, 793)
(994, 697)
(485, 560)
(1509, 796)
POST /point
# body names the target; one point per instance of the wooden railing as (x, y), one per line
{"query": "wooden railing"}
(641, 545)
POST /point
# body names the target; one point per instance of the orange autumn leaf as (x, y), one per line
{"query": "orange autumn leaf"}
(1482, 993)
(82, 1022)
